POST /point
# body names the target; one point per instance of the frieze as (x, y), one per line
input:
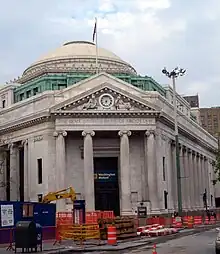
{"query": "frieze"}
(38, 138)
(105, 121)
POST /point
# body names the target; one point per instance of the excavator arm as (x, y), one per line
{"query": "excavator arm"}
(62, 194)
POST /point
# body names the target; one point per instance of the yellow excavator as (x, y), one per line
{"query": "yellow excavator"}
(62, 194)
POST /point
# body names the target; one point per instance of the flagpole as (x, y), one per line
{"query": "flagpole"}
(96, 44)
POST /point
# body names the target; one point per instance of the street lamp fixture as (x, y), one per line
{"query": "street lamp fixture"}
(174, 74)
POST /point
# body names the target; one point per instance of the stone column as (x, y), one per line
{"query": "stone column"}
(194, 177)
(60, 166)
(183, 176)
(186, 185)
(203, 175)
(152, 171)
(89, 187)
(197, 197)
(2, 175)
(14, 172)
(170, 183)
(211, 177)
(174, 175)
(206, 173)
(190, 180)
(200, 192)
(26, 189)
(145, 182)
(125, 174)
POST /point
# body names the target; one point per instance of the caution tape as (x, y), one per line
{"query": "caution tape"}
(79, 232)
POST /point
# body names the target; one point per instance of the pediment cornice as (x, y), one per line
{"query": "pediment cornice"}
(100, 113)
(105, 97)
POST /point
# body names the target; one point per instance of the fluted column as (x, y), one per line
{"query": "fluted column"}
(190, 180)
(207, 180)
(14, 172)
(203, 176)
(194, 177)
(60, 166)
(197, 180)
(186, 179)
(174, 175)
(26, 190)
(89, 189)
(201, 191)
(125, 174)
(145, 182)
(182, 175)
(2, 175)
(170, 183)
(152, 171)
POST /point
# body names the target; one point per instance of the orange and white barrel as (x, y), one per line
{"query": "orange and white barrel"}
(112, 237)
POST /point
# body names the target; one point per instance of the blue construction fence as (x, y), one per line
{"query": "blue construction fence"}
(12, 212)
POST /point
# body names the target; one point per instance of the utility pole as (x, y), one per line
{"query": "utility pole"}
(174, 74)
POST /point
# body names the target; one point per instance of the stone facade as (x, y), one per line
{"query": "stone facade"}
(105, 117)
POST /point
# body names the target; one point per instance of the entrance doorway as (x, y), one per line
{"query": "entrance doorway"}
(106, 184)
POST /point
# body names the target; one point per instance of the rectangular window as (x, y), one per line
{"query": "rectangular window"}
(40, 197)
(165, 199)
(61, 86)
(164, 168)
(35, 90)
(40, 171)
(3, 103)
(21, 96)
(28, 94)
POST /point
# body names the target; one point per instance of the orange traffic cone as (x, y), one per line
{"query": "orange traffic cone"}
(154, 251)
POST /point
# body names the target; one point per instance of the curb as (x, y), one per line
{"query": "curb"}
(160, 239)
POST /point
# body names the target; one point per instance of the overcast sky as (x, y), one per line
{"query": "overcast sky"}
(149, 34)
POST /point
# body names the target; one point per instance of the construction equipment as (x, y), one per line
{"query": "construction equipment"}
(62, 194)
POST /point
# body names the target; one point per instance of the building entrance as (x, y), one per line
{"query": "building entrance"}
(106, 184)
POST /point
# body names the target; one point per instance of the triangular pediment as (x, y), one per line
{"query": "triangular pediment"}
(105, 97)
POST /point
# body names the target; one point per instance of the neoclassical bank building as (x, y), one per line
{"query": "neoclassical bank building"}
(109, 135)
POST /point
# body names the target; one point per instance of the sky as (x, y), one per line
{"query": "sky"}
(149, 34)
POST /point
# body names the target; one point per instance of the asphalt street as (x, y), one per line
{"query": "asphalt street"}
(203, 243)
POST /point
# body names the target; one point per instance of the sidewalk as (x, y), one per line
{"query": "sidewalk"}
(92, 246)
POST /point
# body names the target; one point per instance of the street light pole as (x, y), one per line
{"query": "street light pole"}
(173, 75)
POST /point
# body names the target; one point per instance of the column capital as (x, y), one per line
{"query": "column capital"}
(124, 132)
(24, 142)
(11, 145)
(172, 142)
(57, 133)
(184, 148)
(150, 132)
(189, 150)
(85, 133)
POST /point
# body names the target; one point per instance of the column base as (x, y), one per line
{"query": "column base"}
(127, 213)
(155, 212)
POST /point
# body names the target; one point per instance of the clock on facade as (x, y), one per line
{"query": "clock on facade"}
(106, 100)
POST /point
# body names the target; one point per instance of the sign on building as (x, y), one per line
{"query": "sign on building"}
(7, 215)
(105, 176)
